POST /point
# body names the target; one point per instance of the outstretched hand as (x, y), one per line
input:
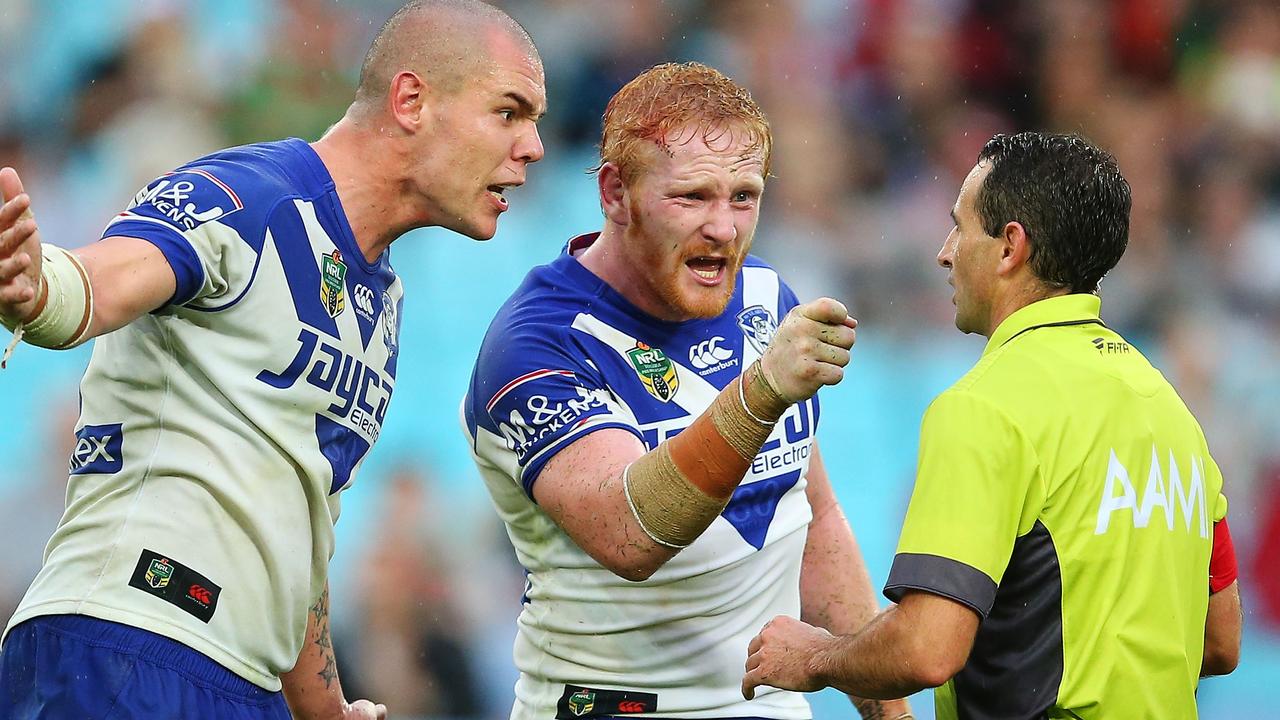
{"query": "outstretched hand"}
(19, 249)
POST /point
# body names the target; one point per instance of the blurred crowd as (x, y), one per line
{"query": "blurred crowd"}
(879, 108)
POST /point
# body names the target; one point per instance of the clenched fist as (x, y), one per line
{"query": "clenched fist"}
(786, 654)
(810, 349)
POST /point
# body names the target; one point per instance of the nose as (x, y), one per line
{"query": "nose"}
(719, 225)
(947, 254)
(528, 147)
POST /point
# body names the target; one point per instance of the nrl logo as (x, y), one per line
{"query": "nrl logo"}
(332, 284)
(758, 325)
(583, 701)
(159, 573)
(656, 371)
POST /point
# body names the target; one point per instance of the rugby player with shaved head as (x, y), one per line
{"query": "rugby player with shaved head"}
(247, 318)
(643, 412)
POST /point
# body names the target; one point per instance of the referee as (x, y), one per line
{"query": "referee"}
(1065, 552)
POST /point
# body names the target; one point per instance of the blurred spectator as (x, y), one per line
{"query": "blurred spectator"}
(412, 650)
(283, 97)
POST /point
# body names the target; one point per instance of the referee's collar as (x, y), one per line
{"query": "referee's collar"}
(1073, 309)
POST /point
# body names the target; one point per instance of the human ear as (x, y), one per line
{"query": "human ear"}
(407, 97)
(613, 194)
(1015, 248)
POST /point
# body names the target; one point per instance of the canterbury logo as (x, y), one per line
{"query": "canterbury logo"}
(364, 300)
(708, 353)
(630, 706)
(198, 593)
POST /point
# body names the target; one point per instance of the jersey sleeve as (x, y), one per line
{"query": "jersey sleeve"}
(1222, 563)
(195, 216)
(533, 398)
(978, 488)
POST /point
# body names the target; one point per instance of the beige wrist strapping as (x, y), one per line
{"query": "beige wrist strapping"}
(64, 305)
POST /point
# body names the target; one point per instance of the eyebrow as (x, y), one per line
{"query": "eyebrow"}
(526, 107)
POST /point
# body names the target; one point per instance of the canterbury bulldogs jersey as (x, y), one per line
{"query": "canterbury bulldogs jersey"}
(566, 356)
(216, 432)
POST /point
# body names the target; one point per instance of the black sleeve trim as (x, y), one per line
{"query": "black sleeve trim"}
(941, 576)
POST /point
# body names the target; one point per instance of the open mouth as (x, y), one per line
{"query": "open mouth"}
(496, 192)
(708, 270)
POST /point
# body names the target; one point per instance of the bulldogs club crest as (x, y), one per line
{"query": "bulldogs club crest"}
(758, 325)
(390, 324)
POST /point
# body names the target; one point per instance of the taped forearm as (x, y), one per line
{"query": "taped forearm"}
(64, 303)
(677, 490)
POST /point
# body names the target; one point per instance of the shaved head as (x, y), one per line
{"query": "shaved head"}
(442, 41)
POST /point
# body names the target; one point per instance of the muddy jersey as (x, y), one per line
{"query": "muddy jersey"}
(216, 432)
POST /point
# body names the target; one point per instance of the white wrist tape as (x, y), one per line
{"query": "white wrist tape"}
(62, 318)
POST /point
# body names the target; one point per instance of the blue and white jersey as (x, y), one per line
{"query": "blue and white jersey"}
(566, 356)
(216, 432)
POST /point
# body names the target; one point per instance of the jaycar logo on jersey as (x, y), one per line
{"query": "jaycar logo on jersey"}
(758, 325)
(186, 199)
(708, 357)
(359, 392)
(99, 449)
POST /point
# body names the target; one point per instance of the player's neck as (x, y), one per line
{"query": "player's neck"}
(367, 194)
(605, 259)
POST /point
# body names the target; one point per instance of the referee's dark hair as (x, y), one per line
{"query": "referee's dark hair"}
(1070, 198)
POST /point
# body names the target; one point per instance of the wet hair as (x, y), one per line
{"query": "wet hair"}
(664, 100)
(435, 38)
(1070, 198)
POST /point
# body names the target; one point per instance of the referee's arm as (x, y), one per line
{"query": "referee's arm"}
(1222, 626)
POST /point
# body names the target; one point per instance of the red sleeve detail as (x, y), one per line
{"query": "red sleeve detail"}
(1222, 564)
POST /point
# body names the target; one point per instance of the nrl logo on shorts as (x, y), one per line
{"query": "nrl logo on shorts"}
(583, 701)
(332, 284)
(758, 325)
(159, 573)
(656, 371)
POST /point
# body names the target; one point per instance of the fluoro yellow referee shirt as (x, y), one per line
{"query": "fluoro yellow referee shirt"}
(1066, 494)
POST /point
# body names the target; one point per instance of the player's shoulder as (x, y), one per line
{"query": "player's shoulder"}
(238, 187)
(548, 300)
(755, 261)
(261, 170)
